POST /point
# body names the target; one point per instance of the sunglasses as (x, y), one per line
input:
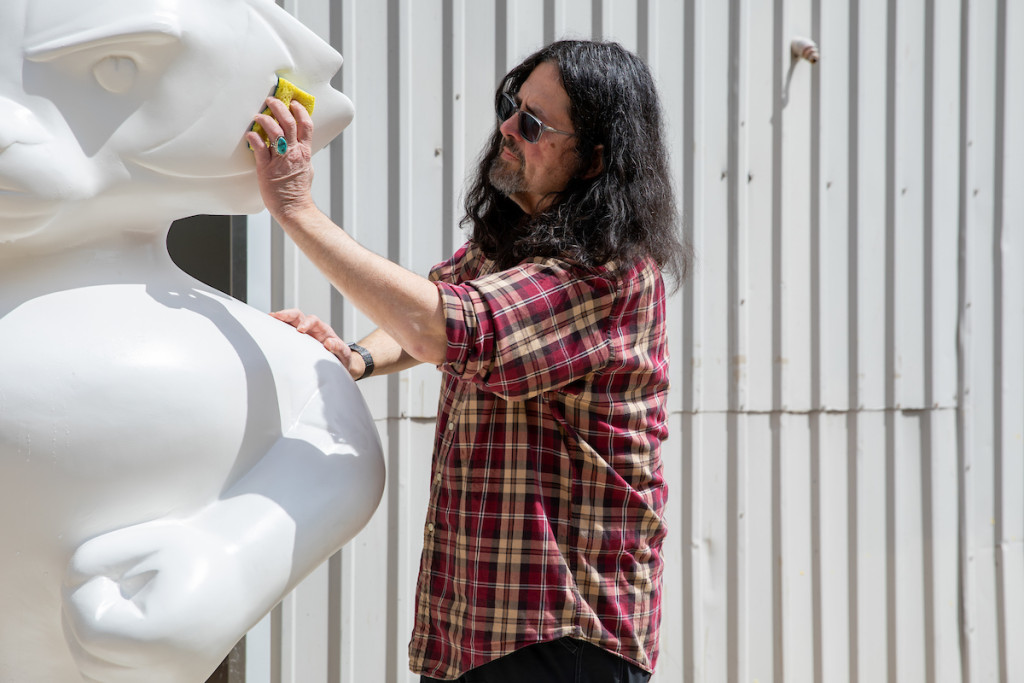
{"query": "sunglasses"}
(530, 127)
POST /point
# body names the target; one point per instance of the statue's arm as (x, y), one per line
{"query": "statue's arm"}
(174, 595)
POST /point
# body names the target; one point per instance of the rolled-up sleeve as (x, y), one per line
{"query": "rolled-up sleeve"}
(530, 329)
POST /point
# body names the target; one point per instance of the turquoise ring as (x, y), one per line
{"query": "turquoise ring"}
(282, 146)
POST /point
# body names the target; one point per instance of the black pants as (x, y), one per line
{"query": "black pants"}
(565, 660)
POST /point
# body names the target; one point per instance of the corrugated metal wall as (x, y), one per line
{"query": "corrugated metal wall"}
(846, 457)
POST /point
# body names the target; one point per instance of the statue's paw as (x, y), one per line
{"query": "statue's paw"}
(159, 602)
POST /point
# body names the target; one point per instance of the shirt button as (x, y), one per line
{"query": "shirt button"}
(437, 478)
(430, 529)
(451, 426)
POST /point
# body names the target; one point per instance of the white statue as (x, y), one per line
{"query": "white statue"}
(172, 461)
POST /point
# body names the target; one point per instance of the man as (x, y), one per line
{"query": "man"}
(542, 544)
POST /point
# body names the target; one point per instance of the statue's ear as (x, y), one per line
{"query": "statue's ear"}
(115, 56)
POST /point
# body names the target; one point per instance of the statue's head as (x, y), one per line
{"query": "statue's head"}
(126, 113)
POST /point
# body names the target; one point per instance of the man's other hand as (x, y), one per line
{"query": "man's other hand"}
(325, 334)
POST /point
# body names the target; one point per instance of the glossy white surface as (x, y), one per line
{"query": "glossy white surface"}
(172, 461)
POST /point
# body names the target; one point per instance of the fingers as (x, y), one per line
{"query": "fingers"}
(292, 121)
(325, 334)
(303, 122)
(316, 328)
(350, 360)
(340, 350)
(307, 324)
(297, 319)
(258, 147)
(288, 315)
(112, 555)
(284, 121)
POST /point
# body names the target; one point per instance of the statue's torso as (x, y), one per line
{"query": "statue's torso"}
(149, 402)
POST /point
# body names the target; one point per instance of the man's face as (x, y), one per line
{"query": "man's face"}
(529, 172)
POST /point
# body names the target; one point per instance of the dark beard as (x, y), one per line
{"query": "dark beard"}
(506, 176)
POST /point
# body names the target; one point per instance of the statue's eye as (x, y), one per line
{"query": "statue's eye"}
(119, 61)
(116, 74)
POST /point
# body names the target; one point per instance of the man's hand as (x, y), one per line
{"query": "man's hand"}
(284, 179)
(325, 334)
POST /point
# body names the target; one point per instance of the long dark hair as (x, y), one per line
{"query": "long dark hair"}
(628, 210)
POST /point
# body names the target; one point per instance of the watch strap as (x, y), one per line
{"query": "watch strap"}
(367, 359)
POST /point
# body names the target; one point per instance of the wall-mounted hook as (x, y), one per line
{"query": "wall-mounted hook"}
(804, 48)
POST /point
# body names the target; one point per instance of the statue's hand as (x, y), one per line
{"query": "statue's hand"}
(162, 602)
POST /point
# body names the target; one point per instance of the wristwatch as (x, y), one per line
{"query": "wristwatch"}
(367, 359)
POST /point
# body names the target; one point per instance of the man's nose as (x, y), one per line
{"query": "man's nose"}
(510, 126)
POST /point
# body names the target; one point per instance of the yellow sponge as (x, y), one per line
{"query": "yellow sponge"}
(286, 92)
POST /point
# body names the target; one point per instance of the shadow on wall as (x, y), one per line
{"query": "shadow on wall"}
(211, 249)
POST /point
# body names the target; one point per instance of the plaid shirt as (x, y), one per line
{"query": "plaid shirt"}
(546, 498)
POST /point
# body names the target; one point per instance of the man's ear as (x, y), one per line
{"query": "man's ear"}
(596, 165)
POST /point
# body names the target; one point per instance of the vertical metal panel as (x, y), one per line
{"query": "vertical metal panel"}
(831, 280)
(524, 29)
(710, 209)
(871, 656)
(869, 277)
(573, 19)
(1008, 342)
(1010, 205)
(906, 552)
(833, 614)
(619, 22)
(676, 639)
(907, 213)
(422, 227)
(760, 624)
(755, 361)
(362, 571)
(711, 592)
(846, 465)
(984, 642)
(795, 546)
(306, 612)
(942, 579)
(258, 259)
(792, 211)
(942, 166)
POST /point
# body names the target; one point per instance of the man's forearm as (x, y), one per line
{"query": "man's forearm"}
(403, 304)
(388, 355)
